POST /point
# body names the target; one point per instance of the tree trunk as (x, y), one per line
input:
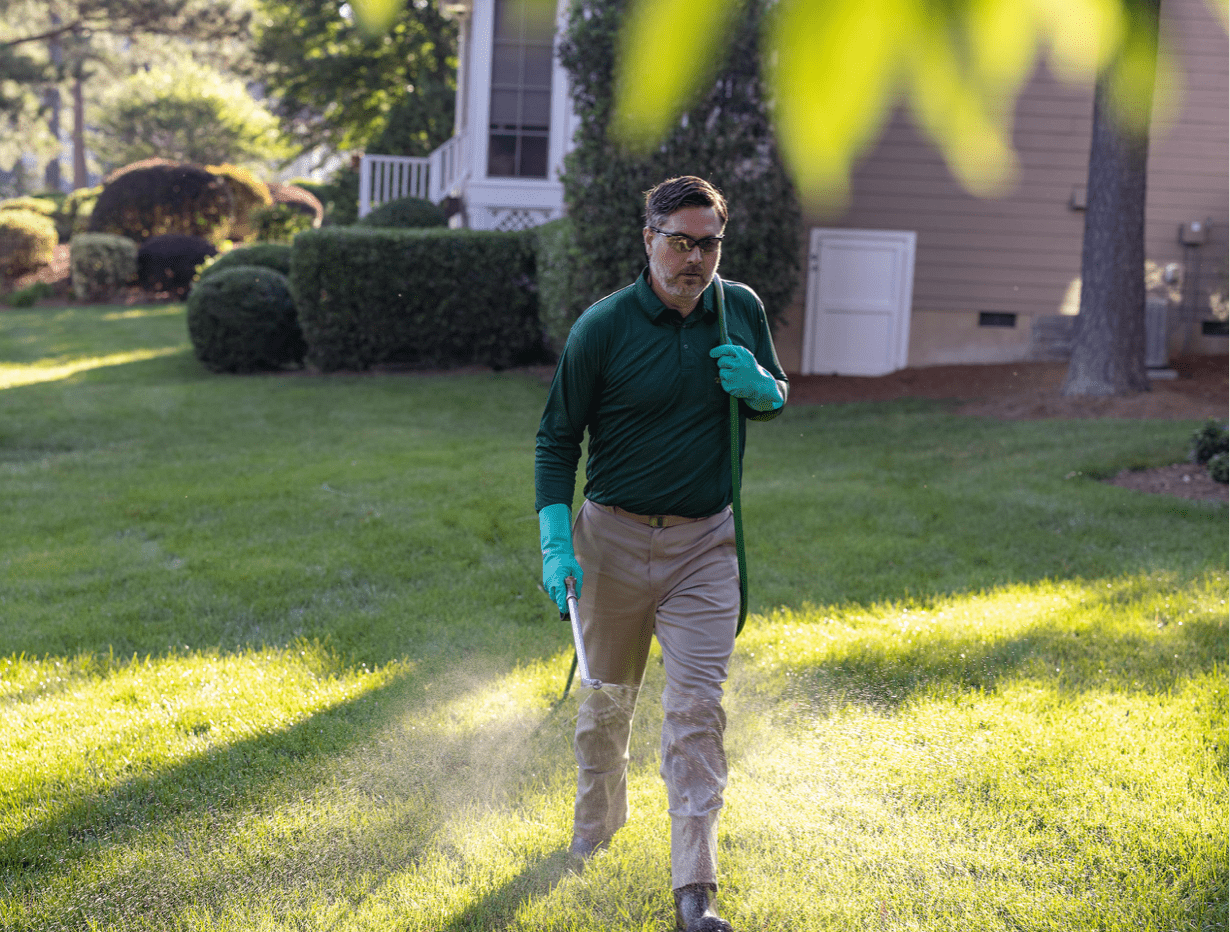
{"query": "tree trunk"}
(1108, 354)
(51, 100)
(81, 177)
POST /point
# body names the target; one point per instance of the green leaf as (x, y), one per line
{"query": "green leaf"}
(669, 52)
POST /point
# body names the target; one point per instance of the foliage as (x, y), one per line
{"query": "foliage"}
(1219, 468)
(248, 194)
(190, 114)
(169, 262)
(559, 299)
(73, 215)
(338, 86)
(300, 199)
(1208, 441)
(280, 223)
(27, 241)
(29, 295)
(40, 205)
(164, 198)
(725, 138)
(838, 67)
(274, 256)
(242, 319)
(416, 297)
(339, 196)
(100, 264)
(1211, 448)
(405, 213)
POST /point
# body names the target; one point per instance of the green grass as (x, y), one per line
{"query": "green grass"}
(273, 656)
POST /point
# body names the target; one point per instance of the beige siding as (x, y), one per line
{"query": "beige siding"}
(1020, 253)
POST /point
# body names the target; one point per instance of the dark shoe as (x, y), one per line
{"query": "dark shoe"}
(582, 849)
(695, 911)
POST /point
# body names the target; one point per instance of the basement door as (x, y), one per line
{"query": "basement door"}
(860, 284)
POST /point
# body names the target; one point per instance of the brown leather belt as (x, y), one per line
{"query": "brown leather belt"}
(651, 520)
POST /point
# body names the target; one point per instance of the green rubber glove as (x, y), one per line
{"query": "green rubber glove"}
(558, 560)
(745, 378)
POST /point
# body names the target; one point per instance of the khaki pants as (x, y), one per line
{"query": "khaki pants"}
(679, 583)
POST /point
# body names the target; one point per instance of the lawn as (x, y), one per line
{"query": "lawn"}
(273, 655)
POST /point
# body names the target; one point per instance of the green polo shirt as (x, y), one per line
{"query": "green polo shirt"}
(639, 378)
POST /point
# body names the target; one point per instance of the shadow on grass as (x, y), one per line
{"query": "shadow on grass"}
(402, 786)
(1071, 660)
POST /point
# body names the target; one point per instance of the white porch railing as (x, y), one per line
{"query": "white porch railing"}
(448, 169)
(387, 177)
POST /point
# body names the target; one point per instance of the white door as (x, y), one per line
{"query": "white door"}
(860, 284)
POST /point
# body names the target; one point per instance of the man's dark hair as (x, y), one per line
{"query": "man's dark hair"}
(674, 194)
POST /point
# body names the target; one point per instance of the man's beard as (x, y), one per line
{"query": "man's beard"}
(681, 285)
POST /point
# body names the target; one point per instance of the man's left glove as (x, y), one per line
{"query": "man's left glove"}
(745, 378)
(558, 560)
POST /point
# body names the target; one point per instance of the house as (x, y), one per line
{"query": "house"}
(914, 271)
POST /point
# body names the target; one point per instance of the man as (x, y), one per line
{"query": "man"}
(654, 555)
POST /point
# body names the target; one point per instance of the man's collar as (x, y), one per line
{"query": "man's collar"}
(653, 307)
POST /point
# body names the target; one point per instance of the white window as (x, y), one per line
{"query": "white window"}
(521, 64)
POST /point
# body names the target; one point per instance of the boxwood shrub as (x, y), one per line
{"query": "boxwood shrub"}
(27, 241)
(274, 256)
(243, 320)
(405, 213)
(101, 264)
(416, 297)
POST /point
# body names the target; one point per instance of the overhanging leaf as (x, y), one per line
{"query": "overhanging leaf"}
(669, 50)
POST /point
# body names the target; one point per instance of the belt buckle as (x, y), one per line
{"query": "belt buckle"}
(657, 520)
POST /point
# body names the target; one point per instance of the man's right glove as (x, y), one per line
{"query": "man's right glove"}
(558, 560)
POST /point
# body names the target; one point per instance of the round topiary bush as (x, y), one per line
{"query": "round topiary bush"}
(169, 262)
(142, 203)
(243, 319)
(27, 241)
(295, 197)
(405, 213)
(274, 256)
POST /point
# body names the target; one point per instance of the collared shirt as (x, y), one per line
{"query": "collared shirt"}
(639, 378)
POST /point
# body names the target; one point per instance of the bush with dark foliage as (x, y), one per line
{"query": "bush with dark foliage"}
(169, 263)
(405, 213)
(243, 320)
(274, 256)
(429, 298)
(142, 203)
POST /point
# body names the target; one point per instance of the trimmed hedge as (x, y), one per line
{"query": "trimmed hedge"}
(295, 197)
(243, 320)
(100, 264)
(27, 241)
(416, 297)
(405, 213)
(560, 301)
(274, 256)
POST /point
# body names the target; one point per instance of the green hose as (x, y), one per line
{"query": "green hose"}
(720, 295)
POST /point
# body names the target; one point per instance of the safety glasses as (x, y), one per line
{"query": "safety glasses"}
(683, 244)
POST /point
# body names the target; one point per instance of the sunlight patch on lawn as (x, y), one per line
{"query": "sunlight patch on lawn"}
(172, 310)
(70, 728)
(53, 370)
